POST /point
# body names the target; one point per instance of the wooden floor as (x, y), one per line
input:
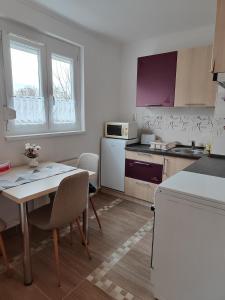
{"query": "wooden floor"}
(120, 265)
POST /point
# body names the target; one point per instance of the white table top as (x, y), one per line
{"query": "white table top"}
(30, 191)
(204, 187)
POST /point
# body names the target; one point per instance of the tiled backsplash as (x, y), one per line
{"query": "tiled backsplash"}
(219, 121)
(179, 124)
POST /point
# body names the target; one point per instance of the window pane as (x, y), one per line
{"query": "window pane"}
(63, 90)
(25, 70)
(29, 110)
(26, 98)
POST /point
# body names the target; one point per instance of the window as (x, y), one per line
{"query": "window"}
(63, 90)
(43, 84)
(27, 94)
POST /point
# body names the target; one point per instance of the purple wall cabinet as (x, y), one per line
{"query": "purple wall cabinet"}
(156, 79)
(144, 171)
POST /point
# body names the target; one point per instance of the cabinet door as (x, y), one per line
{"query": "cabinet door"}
(140, 189)
(147, 157)
(172, 165)
(156, 77)
(143, 171)
(218, 61)
(194, 82)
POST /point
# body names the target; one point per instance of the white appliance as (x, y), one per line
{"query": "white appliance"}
(146, 139)
(113, 162)
(188, 260)
(162, 145)
(121, 130)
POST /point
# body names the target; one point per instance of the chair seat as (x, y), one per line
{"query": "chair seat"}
(40, 217)
(2, 225)
(92, 189)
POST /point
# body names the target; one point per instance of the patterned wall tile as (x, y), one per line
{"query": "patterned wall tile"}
(180, 124)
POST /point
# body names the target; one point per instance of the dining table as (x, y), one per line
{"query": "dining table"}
(24, 193)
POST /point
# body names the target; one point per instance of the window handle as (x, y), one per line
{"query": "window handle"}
(52, 98)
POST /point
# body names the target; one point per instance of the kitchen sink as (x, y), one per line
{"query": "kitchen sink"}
(186, 150)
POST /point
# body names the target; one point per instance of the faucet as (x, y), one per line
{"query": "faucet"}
(193, 145)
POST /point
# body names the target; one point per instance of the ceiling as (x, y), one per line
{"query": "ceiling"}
(132, 20)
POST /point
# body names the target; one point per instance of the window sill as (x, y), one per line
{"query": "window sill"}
(42, 135)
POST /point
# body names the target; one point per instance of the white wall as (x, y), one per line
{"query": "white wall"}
(102, 84)
(131, 51)
(102, 60)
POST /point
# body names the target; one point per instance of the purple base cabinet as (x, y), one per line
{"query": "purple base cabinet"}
(144, 171)
(156, 79)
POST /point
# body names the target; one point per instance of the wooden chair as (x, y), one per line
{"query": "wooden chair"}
(2, 245)
(90, 162)
(69, 203)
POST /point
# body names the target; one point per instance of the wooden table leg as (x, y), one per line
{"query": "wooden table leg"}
(85, 224)
(3, 252)
(51, 197)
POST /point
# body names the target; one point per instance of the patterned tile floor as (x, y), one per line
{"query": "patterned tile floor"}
(120, 268)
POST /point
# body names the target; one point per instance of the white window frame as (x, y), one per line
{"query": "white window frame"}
(12, 128)
(57, 48)
(48, 47)
(65, 126)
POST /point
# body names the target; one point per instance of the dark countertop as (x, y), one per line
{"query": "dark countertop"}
(213, 166)
(145, 149)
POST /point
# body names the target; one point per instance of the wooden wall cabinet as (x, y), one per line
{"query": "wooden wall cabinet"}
(194, 81)
(156, 77)
(218, 59)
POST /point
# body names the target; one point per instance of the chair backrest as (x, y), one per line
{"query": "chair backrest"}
(90, 162)
(70, 199)
(2, 225)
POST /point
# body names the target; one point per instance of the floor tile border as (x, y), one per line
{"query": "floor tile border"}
(98, 277)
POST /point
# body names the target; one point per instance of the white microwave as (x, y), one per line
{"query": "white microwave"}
(121, 130)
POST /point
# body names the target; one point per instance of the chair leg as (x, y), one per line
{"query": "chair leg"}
(2, 247)
(83, 238)
(58, 235)
(56, 253)
(71, 234)
(95, 212)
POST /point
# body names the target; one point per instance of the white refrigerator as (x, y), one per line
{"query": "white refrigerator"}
(188, 258)
(113, 162)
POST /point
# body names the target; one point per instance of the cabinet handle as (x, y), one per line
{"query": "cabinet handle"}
(153, 105)
(213, 64)
(142, 183)
(142, 153)
(142, 163)
(195, 104)
(165, 161)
